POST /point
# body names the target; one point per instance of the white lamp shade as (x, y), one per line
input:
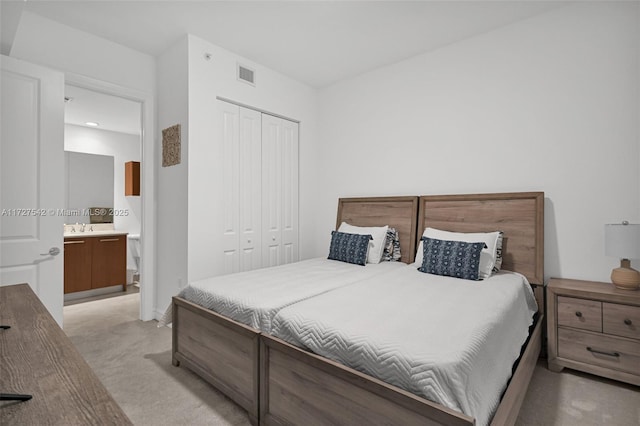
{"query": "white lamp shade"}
(622, 241)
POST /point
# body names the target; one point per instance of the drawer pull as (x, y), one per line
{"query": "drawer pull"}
(73, 242)
(106, 240)
(579, 314)
(595, 351)
(628, 321)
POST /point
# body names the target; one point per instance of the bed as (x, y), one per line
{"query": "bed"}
(302, 387)
(223, 347)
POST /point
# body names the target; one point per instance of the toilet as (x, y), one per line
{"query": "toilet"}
(133, 257)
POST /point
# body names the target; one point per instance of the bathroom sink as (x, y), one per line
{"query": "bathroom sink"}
(91, 233)
(88, 232)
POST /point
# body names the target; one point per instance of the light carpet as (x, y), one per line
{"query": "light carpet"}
(133, 360)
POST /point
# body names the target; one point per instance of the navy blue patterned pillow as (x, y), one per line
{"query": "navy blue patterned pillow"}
(350, 248)
(451, 258)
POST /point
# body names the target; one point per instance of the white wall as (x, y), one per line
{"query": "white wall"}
(550, 104)
(46, 42)
(172, 182)
(123, 148)
(43, 41)
(195, 183)
(273, 92)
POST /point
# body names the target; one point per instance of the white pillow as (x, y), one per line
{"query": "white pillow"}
(376, 246)
(488, 256)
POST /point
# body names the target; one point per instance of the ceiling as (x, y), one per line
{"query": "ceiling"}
(315, 42)
(109, 112)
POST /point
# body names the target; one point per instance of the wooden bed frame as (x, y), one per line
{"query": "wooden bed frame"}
(226, 353)
(400, 213)
(298, 387)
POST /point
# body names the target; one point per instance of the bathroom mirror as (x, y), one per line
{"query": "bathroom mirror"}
(88, 183)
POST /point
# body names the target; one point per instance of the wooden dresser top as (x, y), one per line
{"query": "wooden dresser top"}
(37, 358)
(593, 290)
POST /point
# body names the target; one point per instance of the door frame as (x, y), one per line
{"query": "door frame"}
(148, 173)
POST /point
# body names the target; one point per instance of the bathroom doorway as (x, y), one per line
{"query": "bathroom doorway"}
(104, 121)
(102, 220)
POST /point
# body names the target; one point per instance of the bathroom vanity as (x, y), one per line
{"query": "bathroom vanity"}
(94, 260)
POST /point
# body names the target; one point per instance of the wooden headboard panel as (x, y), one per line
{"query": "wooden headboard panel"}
(519, 215)
(400, 213)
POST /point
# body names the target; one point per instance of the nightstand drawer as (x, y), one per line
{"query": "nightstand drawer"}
(621, 320)
(605, 351)
(580, 313)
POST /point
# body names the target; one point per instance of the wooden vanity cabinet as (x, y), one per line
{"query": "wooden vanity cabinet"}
(109, 264)
(77, 264)
(95, 262)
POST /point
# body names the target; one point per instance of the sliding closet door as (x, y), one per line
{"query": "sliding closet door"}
(279, 191)
(230, 201)
(250, 189)
(289, 191)
(271, 193)
(241, 187)
(259, 196)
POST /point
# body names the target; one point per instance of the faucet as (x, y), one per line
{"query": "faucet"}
(82, 228)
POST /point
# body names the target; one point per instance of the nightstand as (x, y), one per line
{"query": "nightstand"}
(594, 327)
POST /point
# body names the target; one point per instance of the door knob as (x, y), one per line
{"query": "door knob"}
(53, 251)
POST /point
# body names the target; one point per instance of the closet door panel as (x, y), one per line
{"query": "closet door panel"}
(250, 189)
(229, 115)
(271, 190)
(289, 191)
(229, 261)
(273, 255)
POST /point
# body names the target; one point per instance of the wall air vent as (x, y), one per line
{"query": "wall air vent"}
(247, 75)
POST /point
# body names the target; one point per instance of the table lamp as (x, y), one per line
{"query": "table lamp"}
(623, 241)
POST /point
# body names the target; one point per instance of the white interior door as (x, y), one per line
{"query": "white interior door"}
(32, 180)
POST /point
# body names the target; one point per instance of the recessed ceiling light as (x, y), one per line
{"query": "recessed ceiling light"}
(92, 124)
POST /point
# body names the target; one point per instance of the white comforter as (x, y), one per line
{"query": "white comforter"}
(254, 297)
(449, 340)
